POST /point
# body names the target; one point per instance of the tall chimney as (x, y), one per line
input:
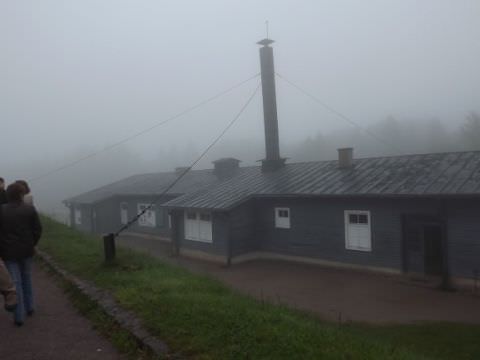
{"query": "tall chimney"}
(272, 159)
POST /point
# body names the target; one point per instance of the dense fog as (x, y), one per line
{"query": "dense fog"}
(76, 77)
(400, 136)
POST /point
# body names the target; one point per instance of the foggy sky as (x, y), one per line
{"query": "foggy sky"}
(76, 76)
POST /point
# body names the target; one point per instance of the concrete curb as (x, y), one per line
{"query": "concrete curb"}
(127, 319)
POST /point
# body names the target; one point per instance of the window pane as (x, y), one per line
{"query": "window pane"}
(357, 231)
(205, 217)
(282, 218)
(191, 215)
(362, 219)
(353, 218)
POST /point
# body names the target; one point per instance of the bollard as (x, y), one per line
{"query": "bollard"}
(109, 246)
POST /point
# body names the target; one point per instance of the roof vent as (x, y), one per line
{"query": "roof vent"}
(225, 167)
(345, 158)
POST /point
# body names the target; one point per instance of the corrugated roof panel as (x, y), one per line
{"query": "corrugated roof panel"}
(147, 184)
(366, 175)
(319, 175)
(440, 175)
(470, 177)
(462, 170)
(392, 182)
(427, 174)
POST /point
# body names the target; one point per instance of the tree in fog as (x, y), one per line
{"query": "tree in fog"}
(470, 131)
(438, 139)
(313, 148)
(391, 131)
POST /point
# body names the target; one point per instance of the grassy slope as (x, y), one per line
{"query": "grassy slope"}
(203, 319)
(103, 323)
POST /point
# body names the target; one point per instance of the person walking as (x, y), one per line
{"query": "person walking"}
(7, 288)
(27, 195)
(20, 231)
(3, 193)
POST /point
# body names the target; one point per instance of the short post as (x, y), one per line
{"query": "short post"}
(109, 247)
(475, 280)
(446, 284)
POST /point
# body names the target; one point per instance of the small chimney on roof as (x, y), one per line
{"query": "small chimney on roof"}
(272, 160)
(345, 158)
(225, 167)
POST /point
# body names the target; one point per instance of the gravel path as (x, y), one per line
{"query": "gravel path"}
(56, 331)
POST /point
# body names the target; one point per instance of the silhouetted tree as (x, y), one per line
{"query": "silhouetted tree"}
(470, 131)
(438, 138)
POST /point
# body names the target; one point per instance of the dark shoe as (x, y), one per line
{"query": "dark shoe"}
(30, 312)
(10, 308)
(18, 323)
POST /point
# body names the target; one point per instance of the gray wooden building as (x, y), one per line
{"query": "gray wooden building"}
(414, 214)
(109, 207)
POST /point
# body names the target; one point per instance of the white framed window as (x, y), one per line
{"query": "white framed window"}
(282, 218)
(191, 225)
(205, 227)
(358, 234)
(198, 226)
(149, 217)
(78, 216)
(123, 213)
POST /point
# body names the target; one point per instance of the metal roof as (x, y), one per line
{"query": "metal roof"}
(148, 184)
(456, 174)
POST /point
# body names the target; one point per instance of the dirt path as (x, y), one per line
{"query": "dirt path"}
(333, 294)
(56, 331)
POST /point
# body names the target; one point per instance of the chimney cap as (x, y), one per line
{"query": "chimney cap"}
(225, 160)
(225, 167)
(345, 157)
(265, 42)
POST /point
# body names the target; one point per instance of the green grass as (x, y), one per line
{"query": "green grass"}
(202, 319)
(437, 340)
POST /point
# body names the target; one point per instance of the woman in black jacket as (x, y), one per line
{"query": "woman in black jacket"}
(20, 230)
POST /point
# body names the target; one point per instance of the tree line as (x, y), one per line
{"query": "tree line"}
(398, 136)
(393, 136)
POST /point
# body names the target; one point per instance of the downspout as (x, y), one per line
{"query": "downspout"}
(93, 213)
(70, 214)
(404, 244)
(446, 283)
(174, 232)
(229, 240)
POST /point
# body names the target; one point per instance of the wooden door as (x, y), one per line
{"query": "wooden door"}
(423, 241)
(432, 238)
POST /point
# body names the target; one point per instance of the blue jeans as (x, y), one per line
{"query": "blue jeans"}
(21, 273)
